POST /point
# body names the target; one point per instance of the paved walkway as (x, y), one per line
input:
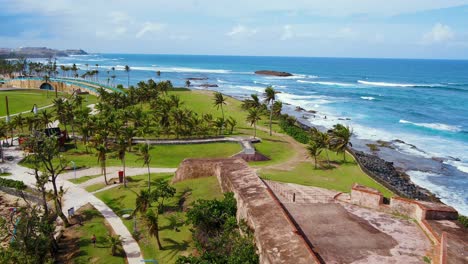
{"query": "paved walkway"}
(76, 197)
(112, 172)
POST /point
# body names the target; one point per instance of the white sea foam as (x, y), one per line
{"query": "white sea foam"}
(264, 83)
(435, 126)
(308, 102)
(258, 89)
(327, 83)
(370, 98)
(460, 165)
(389, 84)
(448, 195)
(221, 81)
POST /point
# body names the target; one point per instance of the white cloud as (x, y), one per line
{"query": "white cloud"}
(149, 27)
(287, 32)
(439, 33)
(241, 30)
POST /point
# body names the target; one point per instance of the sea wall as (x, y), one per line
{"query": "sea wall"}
(36, 84)
(385, 173)
(418, 210)
(276, 238)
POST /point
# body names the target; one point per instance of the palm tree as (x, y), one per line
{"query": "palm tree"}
(142, 201)
(314, 150)
(277, 107)
(128, 133)
(102, 157)
(341, 137)
(253, 118)
(270, 96)
(152, 222)
(127, 69)
(114, 242)
(18, 120)
(122, 150)
(146, 157)
(322, 140)
(254, 102)
(219, 101)
(46, 118)
(231, 122)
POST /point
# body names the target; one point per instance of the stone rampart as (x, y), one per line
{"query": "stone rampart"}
(276, 238)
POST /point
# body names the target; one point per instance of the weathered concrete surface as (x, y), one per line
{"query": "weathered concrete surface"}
(346, 233)
(275, 237)
(456, 239)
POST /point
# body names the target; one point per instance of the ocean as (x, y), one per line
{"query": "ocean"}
(421, 106)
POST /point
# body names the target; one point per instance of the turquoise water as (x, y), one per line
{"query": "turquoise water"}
(422, 102)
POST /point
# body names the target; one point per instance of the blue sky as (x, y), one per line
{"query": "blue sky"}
(333, 28)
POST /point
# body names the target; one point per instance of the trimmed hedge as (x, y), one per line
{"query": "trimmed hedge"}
(294, 131)
(19, 185)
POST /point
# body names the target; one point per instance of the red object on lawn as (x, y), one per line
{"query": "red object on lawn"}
(121, 176)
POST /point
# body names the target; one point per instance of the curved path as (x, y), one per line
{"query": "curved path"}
(76, 197)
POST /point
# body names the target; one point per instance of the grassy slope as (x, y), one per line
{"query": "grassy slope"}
(23, 100)
(162, 155)
(101, 253)
(174, 243)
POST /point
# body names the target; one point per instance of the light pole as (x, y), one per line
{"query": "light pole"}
(74, 168)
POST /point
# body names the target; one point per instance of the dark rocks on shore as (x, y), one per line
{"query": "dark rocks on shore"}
(299, 109)
(208, 85)
(273, 73)
(385, 172)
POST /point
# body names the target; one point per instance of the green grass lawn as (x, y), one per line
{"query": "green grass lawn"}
(339, 178)
(4, 174)
(201, 102)
(23, 100)
(174, 242)
(94, 224)
(165, 156)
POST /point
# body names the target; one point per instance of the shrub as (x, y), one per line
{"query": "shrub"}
(463, 220)
(294, 131)
(19, 185)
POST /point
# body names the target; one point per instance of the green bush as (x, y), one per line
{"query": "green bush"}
(294, 131)
(19, 185)
(463, 220)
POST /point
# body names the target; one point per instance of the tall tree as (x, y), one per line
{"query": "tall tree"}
(341, 138)
(219, 101)
(102, 158)
(122, 150)
(314, 150)
(270, 97)
(253, 117)
(146, 157)
(127, 69)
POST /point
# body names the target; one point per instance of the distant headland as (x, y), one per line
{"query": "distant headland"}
(38, 52)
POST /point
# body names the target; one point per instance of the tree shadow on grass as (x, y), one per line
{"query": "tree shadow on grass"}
(174, 247)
